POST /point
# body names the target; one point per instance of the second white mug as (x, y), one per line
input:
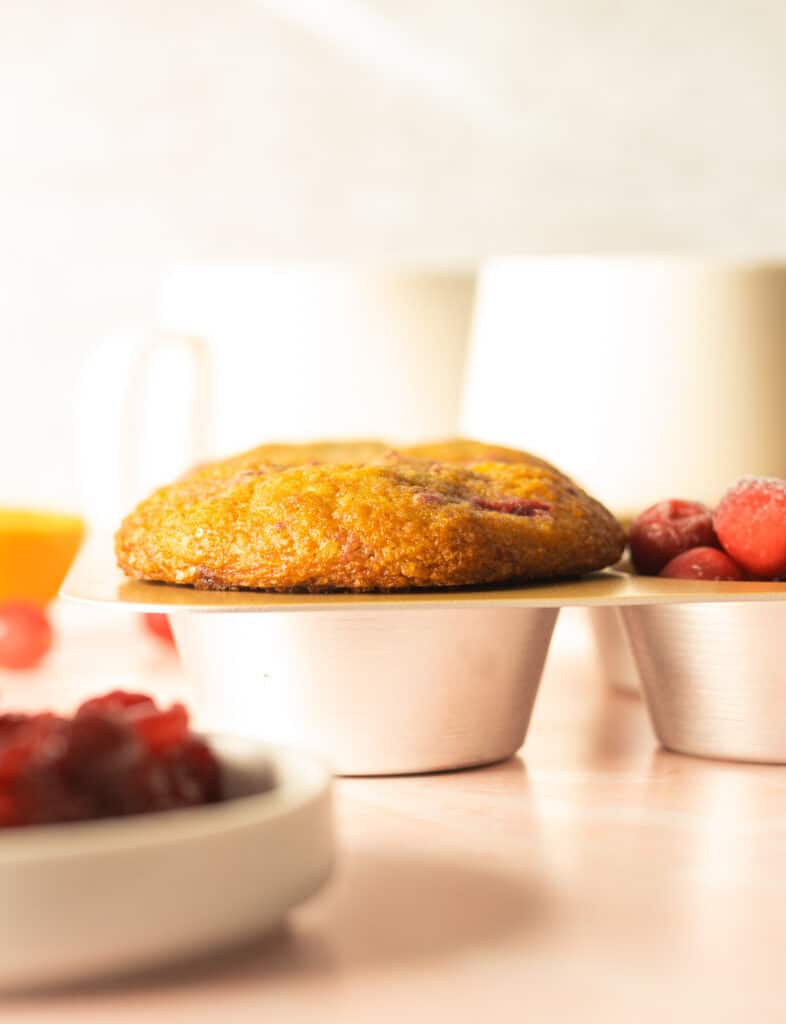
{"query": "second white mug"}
(642, 378)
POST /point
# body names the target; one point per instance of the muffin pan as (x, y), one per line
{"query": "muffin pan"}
(419, 681)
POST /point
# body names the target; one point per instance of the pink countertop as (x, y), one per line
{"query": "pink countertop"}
(594, 878)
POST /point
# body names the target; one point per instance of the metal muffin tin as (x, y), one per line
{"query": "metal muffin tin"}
(421, 681)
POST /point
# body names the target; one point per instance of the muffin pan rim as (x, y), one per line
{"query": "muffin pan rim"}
(95, 580)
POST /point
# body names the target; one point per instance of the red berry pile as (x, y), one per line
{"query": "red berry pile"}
(665, 530)
(744, 538)
(119, 754)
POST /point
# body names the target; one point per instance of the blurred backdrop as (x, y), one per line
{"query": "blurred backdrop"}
(138, 135)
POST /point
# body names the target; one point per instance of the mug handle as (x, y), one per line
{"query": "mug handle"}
(142, 414)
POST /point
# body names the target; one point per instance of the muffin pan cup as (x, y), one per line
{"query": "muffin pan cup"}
(374, 693)
(615, 658)
(714, 677)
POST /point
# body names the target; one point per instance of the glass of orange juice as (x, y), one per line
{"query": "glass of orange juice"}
(36, 550)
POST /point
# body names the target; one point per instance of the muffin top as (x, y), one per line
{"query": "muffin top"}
(360, 516)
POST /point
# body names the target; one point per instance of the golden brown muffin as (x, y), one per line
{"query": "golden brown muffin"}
(394, 524)
(462, 449)
(310, 453)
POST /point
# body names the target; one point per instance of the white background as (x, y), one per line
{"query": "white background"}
(135, 134)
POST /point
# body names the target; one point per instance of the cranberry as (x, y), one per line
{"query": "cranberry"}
(665, 530)
(194, 773)
(430, 498)
(34, 742)
(25, 634)
(31, 788)
(751, 524)
(120, 754)
(159, 626)
(512, 506)
(117, 700)
(161, 730)
(9, 723)
(99, 739)
(702, 564)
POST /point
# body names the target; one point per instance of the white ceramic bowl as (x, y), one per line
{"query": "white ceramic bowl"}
(389, 691)
(96, 898)
(714, 676)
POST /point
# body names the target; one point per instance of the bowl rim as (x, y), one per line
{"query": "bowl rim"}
(301, 778)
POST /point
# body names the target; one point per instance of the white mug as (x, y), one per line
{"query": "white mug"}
(249, 353)
(140, 411)
(643, 378)
(305, 350)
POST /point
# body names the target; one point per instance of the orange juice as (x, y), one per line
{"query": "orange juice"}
(36, 551)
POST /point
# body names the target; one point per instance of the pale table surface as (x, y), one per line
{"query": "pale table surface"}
(594, 878)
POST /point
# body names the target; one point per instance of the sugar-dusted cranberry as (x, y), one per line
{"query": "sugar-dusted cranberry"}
(665, 530)
(702, 564)
(512, 506)
(25, 634)
(751, 524)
